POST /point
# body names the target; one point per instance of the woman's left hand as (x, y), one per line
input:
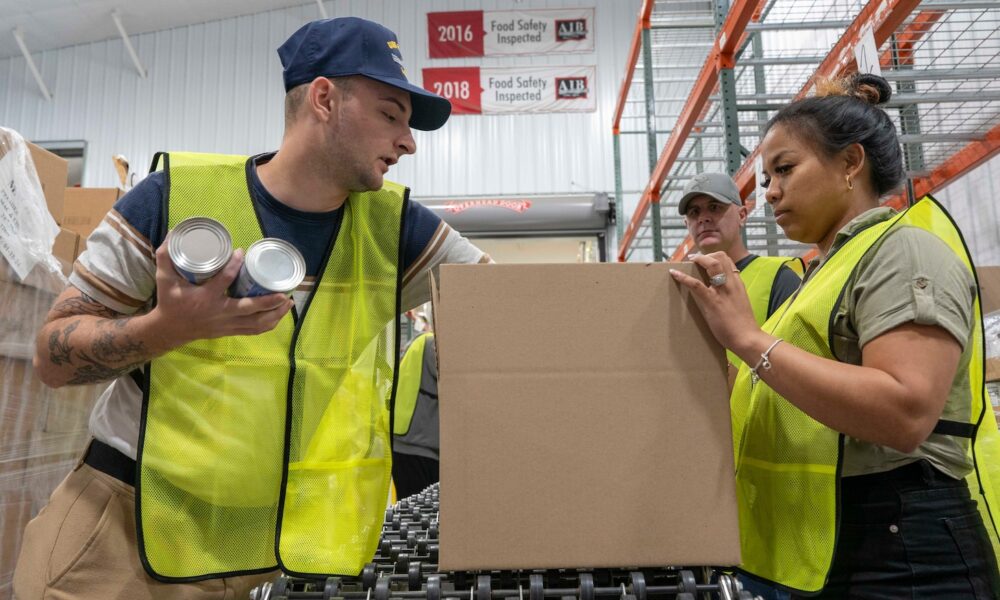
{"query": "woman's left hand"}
(723, 302)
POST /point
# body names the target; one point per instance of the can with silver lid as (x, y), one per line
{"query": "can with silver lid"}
(199, 248)
(271, 266)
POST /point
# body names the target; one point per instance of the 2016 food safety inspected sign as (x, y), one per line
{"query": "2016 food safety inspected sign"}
(505, 32)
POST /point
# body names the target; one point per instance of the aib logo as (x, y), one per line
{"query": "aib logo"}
(571, 29)
(570, 88)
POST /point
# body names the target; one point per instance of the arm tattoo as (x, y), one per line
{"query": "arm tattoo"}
(111, 354)
(59, 348)
(83, 305)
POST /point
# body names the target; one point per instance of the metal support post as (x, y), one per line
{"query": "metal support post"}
(760, 88)
(730, 120)
(909, 120)
(647, 63)
(619, 201)
(727, 96)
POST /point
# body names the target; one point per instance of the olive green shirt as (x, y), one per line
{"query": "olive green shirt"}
(910, 275)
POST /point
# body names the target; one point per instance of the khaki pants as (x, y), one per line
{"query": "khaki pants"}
(83, 545)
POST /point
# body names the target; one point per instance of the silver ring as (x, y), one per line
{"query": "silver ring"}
(717, 280)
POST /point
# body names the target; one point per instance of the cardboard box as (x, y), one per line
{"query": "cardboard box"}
(52, 172)
(989, 288)
(85, 208)
(584, 420)
(66, 248)
(992, 369)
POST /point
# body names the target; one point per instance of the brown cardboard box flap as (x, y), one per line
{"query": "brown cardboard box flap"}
(66, 248)
(992, 369)
(989, 288)
(584, 420)
(85, 208)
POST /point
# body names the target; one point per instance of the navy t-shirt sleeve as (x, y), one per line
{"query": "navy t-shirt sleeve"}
(142, 206)
(420, 225)
(785, 284)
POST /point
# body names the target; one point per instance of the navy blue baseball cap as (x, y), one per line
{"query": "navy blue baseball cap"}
(352, 46)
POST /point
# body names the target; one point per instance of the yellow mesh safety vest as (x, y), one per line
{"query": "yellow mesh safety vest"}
(411, 369)
(758, 279)
(788, 465)
(273, 450)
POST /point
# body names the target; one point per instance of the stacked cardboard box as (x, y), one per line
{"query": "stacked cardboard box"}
(43, 430)
(85, 208)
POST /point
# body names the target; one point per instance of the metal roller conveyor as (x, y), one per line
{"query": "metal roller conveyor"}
(405, 568)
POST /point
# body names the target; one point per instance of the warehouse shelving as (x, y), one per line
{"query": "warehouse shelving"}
(942, 57)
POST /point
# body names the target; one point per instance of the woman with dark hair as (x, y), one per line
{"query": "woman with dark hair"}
(860, 403)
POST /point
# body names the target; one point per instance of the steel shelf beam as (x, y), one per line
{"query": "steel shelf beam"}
(960, 163)
(727, 41)
(633, 57)
(796, 25)
(780, 60)
(885, 17)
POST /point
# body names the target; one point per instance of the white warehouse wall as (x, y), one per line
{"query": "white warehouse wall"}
(216, 87)
(972, 201)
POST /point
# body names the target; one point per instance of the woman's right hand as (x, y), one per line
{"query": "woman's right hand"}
(725, 305)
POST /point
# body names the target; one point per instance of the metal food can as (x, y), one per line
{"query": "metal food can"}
(199, 248)
(271, 266)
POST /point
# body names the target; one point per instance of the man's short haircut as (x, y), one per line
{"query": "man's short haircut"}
(296, 96)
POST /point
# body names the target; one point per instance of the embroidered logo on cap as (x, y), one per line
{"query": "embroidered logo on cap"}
(393, 45)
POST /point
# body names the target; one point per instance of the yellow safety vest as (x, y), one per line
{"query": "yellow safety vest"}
(411, 370)
(788, 465)
(273, 450)
(758, 279)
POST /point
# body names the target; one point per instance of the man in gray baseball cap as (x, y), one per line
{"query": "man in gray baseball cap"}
(715, 217)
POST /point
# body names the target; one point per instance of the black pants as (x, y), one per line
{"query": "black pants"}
(911, 533)
(412, 473)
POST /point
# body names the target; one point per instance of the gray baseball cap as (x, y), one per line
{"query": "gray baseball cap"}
(717, 185)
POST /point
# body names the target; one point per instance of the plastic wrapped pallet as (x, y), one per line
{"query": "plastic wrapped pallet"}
(991, 331)
(43, 430)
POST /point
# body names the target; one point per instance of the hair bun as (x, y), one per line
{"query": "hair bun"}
(870, 88)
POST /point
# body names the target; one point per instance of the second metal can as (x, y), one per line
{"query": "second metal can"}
(271, 266)
(199, 248)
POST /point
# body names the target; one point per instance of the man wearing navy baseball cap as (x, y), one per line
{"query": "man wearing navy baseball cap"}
(239, 436)
(352, 46)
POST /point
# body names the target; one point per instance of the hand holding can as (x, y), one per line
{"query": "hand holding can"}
(199, 247)
(271, 266)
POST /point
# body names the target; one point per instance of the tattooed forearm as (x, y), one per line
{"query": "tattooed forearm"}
(112, 353)
(59, 348)
(82, 305)
(96, 373)
(115, 348)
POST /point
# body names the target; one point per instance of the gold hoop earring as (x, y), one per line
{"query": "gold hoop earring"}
(850, 184)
